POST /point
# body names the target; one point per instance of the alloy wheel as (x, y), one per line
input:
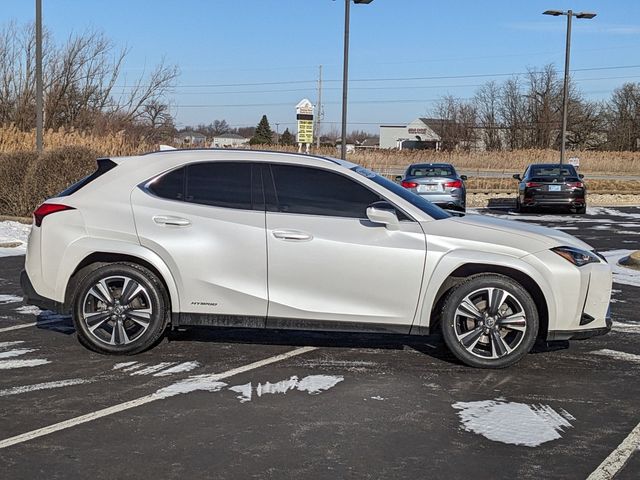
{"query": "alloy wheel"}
(490, 323)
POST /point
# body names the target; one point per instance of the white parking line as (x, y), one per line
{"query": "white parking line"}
(27, 325)
(618, 458)
(25, 437)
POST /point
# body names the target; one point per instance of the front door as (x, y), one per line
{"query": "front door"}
(328, 263)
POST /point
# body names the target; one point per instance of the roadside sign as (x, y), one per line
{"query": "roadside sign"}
(575, 161)
(304, 115)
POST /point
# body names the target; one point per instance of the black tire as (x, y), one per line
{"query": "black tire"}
(520, 208)
(100, 320)
(515, 322)
(581, 210)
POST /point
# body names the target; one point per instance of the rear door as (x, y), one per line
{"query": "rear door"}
(329, 263)
(207, 222)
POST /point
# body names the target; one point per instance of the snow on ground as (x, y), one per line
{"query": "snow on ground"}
(624, 275)
(12, 232)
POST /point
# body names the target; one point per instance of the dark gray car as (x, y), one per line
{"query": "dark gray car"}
(437, 182)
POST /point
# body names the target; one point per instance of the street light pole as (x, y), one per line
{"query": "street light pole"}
(39, 100)
(345, 74)
(565, 90)
(345, 80)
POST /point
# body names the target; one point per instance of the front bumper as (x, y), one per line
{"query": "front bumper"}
(580, 334)
(31, 297)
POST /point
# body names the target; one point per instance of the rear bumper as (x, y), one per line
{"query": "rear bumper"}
(448, 200)
(569, 199)
(31, 297)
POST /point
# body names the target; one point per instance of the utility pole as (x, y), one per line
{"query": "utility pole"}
(567, 54)
(345, 80)
(319, 109)
(39, 99)
(277, 133)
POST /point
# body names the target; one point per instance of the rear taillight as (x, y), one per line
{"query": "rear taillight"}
(533, 184)
(47, 209)
(406, 184)
(454, 184)
(575, 184)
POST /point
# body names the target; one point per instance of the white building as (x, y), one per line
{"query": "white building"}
(229, 140)
(418, 134)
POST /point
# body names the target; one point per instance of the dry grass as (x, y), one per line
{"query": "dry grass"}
(385, 161)
(117, 144)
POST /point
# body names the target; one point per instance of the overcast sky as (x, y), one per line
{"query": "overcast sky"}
(241, 59)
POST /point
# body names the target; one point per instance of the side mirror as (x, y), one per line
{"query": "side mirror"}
(463, 178)
(517, 176)
(581, 176)
(397, 178)
(384, 213)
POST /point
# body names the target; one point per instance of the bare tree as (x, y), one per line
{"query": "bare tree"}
(487, 103)
(622, 117)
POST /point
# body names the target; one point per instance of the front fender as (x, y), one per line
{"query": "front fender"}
(84, 247)
(443, 265)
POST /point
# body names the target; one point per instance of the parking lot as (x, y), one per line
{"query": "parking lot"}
(252, 404)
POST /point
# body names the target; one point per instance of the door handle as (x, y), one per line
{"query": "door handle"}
(169, 220)
(295, 235)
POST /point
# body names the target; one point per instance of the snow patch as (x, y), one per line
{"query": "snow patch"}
(632, 327)
(617, 355)
(118, 366)
(152, 368)
(624, 275)
(205, 383)
(513, 423)
(10, 344)
(14, 232)
(16, 352)
(43, 386)
(180, 368)
(312, 384)
(4, 299)
(9, 364)
(28, 310)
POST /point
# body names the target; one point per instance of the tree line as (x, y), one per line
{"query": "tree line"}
(523, 113)
(83, 85)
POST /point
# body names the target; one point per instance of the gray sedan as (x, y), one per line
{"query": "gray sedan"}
(437, 182)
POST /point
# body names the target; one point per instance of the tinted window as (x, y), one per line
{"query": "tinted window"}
(552, 171)
(319, 192)
(220, 184)
(431, 171)
(170, 186)
(104, 165)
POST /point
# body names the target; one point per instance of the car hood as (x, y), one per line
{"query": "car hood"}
(514, 235)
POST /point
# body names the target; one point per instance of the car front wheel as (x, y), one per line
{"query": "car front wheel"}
(489, 321)
(120, 309)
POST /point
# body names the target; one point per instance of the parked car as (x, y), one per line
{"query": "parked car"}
(551, 185)
(278, 240)
(437, 182)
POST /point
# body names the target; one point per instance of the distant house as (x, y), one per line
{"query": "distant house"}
(229, 140)
(419, 135)
(191, 138)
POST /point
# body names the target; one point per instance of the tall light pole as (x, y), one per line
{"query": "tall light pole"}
(565, 91)
(39, 100)
(345, 74)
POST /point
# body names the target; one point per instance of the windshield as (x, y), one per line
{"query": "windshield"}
(426, 206)
(431, 171)
(552, 171)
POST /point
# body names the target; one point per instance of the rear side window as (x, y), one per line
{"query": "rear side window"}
(219, 184)
(104, 165)
(313, 191)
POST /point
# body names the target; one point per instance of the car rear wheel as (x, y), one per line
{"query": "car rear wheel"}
(120, 309)
(489, 321)
(581, 210)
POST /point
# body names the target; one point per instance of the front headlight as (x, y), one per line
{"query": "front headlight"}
(576, 256)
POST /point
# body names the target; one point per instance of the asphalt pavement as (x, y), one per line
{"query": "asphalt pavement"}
(237, 404)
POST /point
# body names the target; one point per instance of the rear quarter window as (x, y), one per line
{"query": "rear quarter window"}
(104, 165)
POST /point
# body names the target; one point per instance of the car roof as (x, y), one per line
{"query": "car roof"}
(431, 165)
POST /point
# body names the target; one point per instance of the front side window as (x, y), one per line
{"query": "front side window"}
(219, 184)
(313, 191)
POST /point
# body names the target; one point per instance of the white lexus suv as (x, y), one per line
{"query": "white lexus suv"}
(276, 240)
